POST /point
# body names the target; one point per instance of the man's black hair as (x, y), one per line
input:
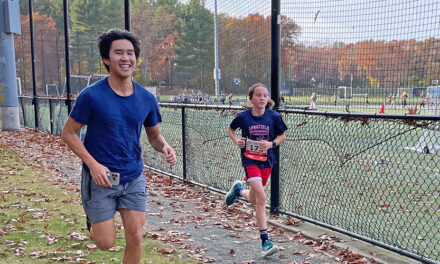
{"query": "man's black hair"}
(105, 42)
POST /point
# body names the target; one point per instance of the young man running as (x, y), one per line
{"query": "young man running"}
(114, 110)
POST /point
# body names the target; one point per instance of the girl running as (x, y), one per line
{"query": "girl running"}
(262, 129)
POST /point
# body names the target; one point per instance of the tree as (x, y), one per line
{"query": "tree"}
(245, 50)
(90, 18)
(161, 60)
(194, 47)
(44, 46)
(156, 30)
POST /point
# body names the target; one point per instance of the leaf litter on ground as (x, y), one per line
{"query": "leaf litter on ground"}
(42, 220)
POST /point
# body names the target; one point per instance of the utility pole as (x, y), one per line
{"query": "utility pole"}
(217, 71)
(9, 25)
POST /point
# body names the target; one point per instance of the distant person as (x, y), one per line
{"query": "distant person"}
(335, 99)
(313, 101)
(428, 101)
(367, 100)
(230, 99)
(223, 99)
(422, 100)
(393, 101)
(403, 99)
(114, 110)
(262, 130)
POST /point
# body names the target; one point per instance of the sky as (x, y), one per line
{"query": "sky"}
(348, 21)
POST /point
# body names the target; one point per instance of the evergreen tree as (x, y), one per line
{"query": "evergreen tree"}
(89, 18)
(194, 47)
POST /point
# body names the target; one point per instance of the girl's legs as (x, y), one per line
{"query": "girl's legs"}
(257, 197)
(256, 178)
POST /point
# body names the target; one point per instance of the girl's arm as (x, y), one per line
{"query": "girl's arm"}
(264, 144)
(280, 139)
(240, 142)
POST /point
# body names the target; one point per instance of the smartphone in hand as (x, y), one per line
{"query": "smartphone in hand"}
(114, 177)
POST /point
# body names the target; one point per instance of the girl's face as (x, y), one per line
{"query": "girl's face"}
(259, 97)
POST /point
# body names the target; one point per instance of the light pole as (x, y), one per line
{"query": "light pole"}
(217, 71)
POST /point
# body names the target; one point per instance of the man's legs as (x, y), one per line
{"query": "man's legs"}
(103, 234)
(133, 225)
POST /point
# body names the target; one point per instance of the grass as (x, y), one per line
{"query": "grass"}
(42, 221)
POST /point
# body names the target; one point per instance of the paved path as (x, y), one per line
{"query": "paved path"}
(198, 220)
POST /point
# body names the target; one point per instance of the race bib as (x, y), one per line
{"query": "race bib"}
(254, 152)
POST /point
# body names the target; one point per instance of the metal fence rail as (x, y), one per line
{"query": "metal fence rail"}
(372, 176)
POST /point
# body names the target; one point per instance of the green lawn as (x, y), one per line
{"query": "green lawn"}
(42, 221)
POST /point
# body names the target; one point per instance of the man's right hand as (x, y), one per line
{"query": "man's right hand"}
(70, 137)
(99, 175)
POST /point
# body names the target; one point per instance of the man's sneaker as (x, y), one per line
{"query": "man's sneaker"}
(269, 248)
(230, 195)
(88, 223)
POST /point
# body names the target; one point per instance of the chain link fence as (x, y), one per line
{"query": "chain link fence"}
(375, 176)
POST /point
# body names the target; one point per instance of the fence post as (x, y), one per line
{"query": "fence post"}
(67, 54)
(127, 14)
(184, 142)
(275, 94)
(34, 81)
(23, 111)
(51, 116)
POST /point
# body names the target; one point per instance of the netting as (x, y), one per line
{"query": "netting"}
(87, 21)
(377, 48)
(173, 135)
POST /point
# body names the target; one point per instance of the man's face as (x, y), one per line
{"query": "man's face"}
(122, 60)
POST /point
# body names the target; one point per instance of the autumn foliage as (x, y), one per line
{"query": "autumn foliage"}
(174, 37)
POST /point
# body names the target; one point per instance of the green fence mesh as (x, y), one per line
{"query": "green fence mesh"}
(376, 176)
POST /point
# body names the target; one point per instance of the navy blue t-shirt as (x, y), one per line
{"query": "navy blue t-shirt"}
(114, 125)
(265, 127)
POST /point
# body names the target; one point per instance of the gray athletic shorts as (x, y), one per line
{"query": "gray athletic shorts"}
(100, 203)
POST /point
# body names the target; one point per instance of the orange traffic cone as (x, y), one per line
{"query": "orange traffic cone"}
(382, 109)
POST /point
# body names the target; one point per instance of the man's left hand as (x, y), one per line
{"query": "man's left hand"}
(170, 155)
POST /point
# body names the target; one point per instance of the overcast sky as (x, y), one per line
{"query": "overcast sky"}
(349, 21)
